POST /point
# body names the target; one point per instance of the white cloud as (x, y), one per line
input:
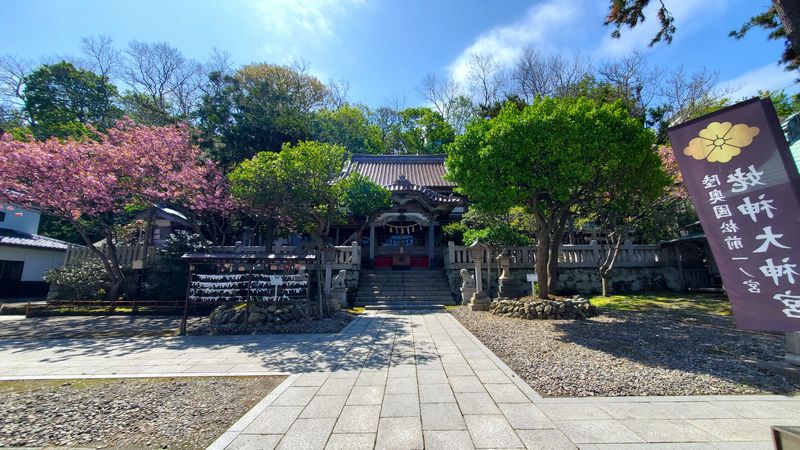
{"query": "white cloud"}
(543, 26)
(638, 38)
(292, 28)
(771, 77)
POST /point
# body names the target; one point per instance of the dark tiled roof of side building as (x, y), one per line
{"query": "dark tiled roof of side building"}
(422, 170)
(20, 239)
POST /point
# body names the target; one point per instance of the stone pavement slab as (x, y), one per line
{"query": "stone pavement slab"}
(404, 380)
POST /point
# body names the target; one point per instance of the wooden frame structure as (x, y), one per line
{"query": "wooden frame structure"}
(243, 265)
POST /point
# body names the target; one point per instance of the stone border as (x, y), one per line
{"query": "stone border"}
(250, 416)
(143, 375)
(516, 379)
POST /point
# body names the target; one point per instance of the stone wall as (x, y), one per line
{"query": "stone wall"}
(584, 281)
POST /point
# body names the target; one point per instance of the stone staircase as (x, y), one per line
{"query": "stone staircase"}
(407, 289)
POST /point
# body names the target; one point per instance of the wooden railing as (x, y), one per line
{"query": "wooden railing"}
(132, 257)
(591, 255)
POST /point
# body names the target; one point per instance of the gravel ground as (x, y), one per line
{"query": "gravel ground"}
(181, 413)
(333, 324)
(632, 354)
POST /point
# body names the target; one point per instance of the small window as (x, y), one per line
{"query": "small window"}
(11, 270)
(2, 216)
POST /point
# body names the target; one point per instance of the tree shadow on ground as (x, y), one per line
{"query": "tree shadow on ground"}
(370, 342)
(690, 342)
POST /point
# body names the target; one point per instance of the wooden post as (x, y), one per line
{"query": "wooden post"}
(489, 272)
(430, 244)
(679, 258)
(249, 290)
(372, 244)
(186, 301)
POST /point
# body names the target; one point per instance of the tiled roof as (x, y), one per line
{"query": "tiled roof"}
(404, 185)
(422, 170)
(20, 239)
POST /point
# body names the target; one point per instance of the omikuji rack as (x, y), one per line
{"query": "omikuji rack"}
(216, 278)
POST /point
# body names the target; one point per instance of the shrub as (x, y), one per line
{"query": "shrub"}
(167, 280)
(86, 279)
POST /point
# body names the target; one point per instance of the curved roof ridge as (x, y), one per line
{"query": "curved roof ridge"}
(403, 185)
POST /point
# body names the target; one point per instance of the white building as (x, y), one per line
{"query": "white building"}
(24, 255)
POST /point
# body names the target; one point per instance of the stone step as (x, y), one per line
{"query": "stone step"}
(404, 299)
(417, 288)
(442, 284)
(383, 279)
(404, 306)
(420, 274)
(390, 292)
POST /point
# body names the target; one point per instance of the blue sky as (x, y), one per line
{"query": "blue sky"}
(384, 48)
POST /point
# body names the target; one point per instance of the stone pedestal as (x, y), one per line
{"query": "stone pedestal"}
(479, 302)
(338, 298)
(466, 294)
(509, 288)
(339, 290)
(793, 348)
(790, 366)
(468, 287)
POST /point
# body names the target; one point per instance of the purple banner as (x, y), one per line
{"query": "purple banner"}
(745, 187)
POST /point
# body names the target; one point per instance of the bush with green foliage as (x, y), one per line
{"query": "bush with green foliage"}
(84, 280)
(167, 279)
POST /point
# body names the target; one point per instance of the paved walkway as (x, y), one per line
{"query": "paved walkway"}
(405, 380)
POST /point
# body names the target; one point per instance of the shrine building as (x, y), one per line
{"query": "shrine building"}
(409, 234)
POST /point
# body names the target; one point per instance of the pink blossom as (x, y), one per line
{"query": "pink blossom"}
(128, 164)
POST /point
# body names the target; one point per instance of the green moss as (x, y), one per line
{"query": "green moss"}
(667, 302)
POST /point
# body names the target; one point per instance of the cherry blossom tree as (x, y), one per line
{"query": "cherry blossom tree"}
(128, 167)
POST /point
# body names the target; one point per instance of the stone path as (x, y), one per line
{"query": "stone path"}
(406, 380)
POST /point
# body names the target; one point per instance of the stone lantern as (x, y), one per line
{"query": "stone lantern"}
(508, 287)
(479, 301)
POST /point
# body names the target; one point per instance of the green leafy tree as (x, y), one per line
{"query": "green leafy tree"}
(785, 105)
(363, 199)
(260, 107)
(416, 131)
(167, 279)
(57, 228)
(62, 100)
(300, 182)
(349, 127)
(302, 185)
(555, 157)
(143, 109)
(633, 197)
(781, 19)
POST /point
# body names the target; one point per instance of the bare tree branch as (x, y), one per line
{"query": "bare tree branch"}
(101, 56)
(13, 70)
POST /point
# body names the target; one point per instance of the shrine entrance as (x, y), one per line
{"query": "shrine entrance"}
(402, 241)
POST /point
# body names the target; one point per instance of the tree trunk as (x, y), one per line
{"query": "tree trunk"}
(555, 245)
(552, 264)
(788, 12)
(111, 269)
(542, 258)
(119, 277)
(607, 267)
